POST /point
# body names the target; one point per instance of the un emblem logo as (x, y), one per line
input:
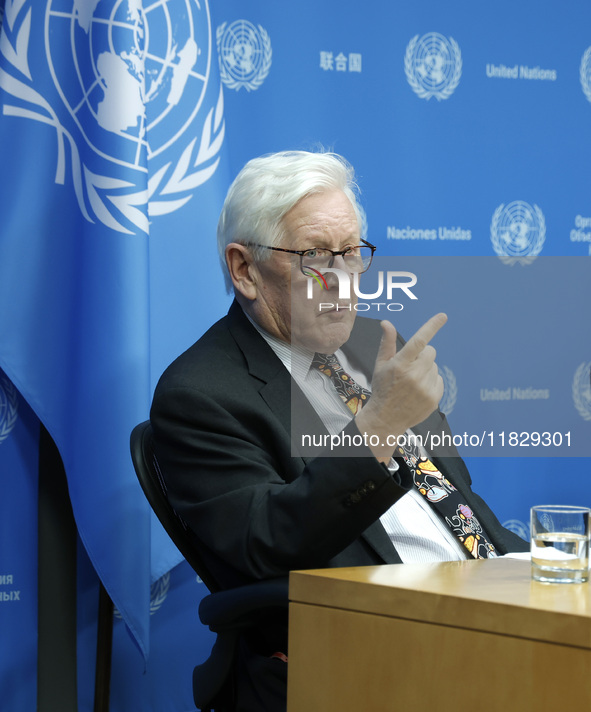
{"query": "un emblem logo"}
(158, 593)
(517, 232)
(518, 527)
(128, 82)
(8, 407)
(585, 73)
(450, 390)
(582, 390)
(244, 54)
(433, 65)
(125, 59)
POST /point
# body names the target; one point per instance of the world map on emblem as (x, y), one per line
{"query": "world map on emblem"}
(432, 61)
(518, 229)
(520, 528)
(137, 72)
(244, 54)
(433, 65)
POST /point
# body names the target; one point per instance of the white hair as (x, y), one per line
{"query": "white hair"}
(267, 188)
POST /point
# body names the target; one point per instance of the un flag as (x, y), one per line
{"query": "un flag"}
(111, 131)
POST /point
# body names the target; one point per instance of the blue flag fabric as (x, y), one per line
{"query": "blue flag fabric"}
(111, 135)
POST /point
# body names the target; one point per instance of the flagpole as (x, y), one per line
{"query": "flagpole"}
(104, 648)
(57, 649)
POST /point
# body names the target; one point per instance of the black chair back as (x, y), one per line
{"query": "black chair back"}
(228, 612)
(150, 478)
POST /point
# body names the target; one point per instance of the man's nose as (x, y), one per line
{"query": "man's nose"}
(336, 271)
(338, 261)
(332, 281)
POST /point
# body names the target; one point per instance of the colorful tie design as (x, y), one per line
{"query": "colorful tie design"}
(447, 502)
(437, 489)
(351, 393)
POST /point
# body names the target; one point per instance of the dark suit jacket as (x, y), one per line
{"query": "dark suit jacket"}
(221, 418)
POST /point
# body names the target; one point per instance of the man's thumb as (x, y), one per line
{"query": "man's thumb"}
(388, 344)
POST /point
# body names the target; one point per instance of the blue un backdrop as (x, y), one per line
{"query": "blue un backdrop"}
(121, 127)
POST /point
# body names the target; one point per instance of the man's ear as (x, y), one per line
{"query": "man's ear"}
(242, 270)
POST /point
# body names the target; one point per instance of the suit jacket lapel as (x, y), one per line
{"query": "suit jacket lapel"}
(277, 388)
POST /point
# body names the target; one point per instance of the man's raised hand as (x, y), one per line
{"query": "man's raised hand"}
(406, 385)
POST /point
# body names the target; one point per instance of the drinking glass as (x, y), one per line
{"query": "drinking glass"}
(560, 543)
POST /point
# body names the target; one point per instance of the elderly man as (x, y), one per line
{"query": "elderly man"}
(222, 419)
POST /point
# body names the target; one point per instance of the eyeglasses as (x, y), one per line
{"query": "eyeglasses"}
(357, 258)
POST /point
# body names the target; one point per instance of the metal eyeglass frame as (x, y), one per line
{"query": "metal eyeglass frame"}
(334, 253)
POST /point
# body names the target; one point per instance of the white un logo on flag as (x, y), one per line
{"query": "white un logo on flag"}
(133, 83)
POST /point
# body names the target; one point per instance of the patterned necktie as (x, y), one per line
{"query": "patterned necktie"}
(351, 393)
(437, 489)
(447, 502)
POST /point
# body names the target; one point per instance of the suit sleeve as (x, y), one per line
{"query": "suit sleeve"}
(262, 512)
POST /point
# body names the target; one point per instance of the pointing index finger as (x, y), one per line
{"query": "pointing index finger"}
(422, 337)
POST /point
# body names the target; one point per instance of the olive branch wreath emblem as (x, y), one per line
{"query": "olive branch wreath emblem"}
(158, 593)
(8, 421)
(450, 394)
(97, 195)
(261, 74)
(585, 73)
(500, 250)
(451, 84)
(581, 386)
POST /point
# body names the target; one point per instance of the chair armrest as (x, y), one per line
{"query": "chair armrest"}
(232, 608)
(227, 613)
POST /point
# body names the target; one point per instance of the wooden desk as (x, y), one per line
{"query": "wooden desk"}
(470, 635)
